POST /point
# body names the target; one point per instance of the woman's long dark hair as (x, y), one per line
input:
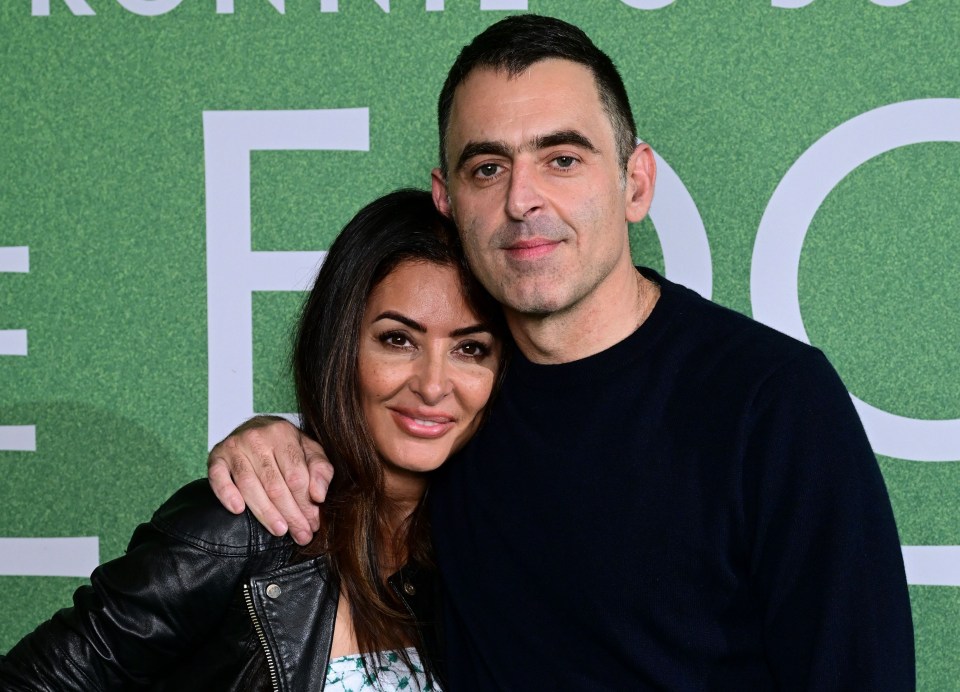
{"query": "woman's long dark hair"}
(360, 522)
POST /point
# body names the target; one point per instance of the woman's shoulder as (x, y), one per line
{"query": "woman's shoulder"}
(194, 515)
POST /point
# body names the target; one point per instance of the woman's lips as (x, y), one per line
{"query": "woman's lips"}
(419, 425)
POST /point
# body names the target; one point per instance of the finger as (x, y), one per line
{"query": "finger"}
(321, 471)
(264, 485)
(301, 488)
(222, 484)
(258, 502)
(289, 488)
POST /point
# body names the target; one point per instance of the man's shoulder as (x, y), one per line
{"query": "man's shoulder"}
(706, 324)
(713, 344)
(194, 515)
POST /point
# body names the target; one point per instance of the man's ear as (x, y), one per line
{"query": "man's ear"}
(641, 176)
(441, 196)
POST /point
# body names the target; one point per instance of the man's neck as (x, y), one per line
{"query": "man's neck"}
(606, 317)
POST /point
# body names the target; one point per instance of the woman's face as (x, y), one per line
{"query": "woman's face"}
(427, 366)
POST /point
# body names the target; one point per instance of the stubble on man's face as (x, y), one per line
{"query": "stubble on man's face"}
(535, 185)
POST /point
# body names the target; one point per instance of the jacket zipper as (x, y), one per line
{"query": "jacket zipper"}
(271, 667)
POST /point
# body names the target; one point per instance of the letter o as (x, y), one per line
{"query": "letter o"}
(149, 8)
(647, 4)
(683, 239)
(775, 266)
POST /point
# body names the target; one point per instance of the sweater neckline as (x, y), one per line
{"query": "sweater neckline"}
(561, 376)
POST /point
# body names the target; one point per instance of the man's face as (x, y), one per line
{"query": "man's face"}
(535, 185)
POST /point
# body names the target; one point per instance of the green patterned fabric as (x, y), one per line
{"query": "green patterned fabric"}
(386, 673)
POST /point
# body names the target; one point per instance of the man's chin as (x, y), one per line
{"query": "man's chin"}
(533, 306)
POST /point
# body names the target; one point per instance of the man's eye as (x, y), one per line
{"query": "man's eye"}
(488, 170)
(565, 161)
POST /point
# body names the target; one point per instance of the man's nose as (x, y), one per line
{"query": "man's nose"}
(524, 195)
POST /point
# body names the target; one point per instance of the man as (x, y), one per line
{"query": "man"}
(666, 495)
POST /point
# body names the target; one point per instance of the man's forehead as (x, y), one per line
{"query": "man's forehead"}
(482, 95)
(491, 75)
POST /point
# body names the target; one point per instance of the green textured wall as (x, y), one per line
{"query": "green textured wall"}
(102, 177)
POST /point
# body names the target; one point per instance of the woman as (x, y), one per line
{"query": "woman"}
(396, 355)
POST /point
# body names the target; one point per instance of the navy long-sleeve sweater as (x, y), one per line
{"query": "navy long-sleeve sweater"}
(694, 508)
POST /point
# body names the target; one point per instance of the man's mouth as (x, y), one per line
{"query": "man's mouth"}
(531, 248)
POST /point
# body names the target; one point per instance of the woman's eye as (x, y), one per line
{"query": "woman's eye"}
(474, 349)
(395, 339)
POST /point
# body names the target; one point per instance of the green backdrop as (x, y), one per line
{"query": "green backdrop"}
(126, 127)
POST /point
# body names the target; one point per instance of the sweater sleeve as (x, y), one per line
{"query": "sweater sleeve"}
(825, 559)
(142, 611)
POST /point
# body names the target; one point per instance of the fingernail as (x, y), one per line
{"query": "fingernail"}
(279, 529)
(302, 537)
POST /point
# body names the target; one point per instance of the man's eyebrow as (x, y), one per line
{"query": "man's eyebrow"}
(484, 148)
(564, 138)
(500, 148)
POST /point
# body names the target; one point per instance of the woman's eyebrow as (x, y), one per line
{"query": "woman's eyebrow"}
(403, 319)
(472, 329)
(416, 326)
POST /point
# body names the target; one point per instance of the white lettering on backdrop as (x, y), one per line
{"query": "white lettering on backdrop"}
(234, 270)
(152, 8)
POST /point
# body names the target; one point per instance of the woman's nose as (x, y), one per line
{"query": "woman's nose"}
(432, 380)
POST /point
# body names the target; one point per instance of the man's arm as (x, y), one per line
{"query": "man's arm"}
(268, 465)
(826, 559)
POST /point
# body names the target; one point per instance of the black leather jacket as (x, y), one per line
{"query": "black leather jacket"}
(202, 600)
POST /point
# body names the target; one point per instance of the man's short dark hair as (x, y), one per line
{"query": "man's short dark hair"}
(516, 43)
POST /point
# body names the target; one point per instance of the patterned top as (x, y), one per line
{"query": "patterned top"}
(386, 674)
